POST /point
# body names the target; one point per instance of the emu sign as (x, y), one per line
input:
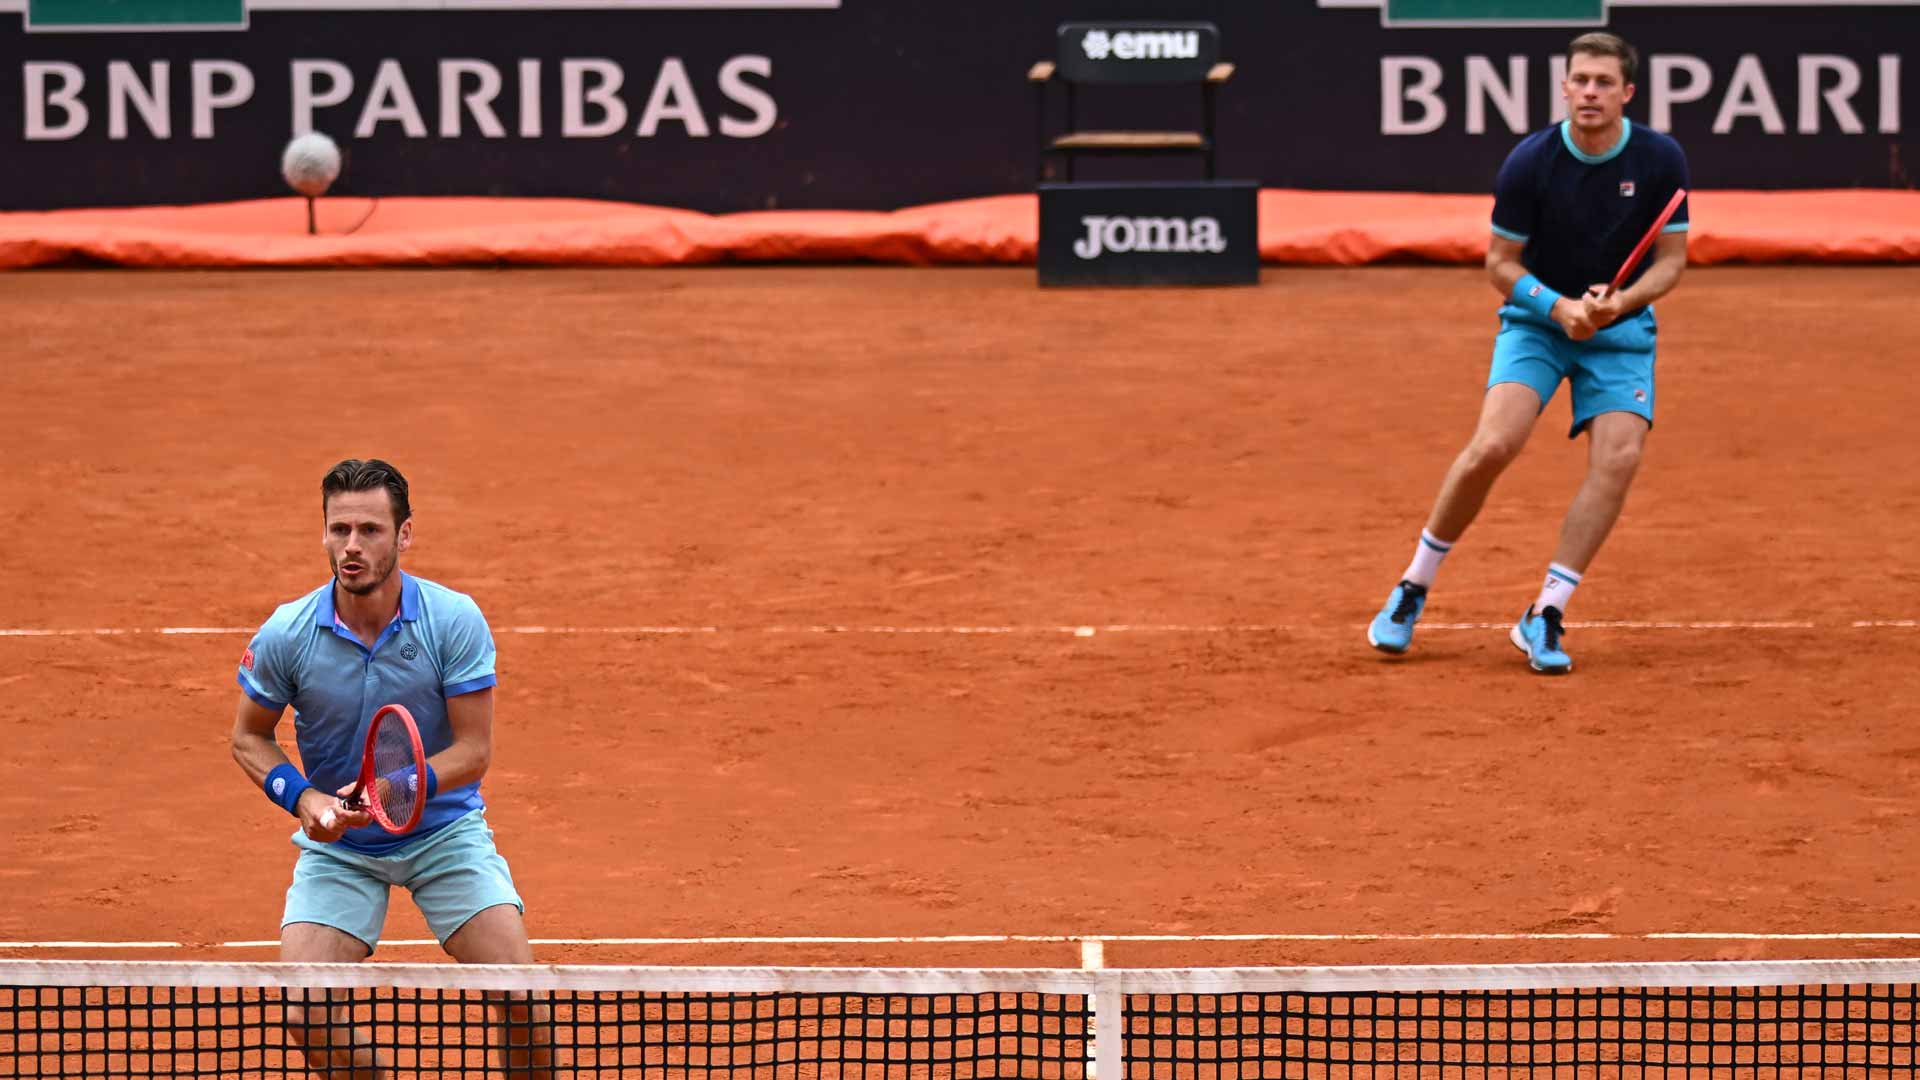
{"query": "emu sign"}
(1136, 52)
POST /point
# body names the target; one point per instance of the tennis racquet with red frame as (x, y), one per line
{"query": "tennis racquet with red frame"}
(1646, 242)
(393, 768)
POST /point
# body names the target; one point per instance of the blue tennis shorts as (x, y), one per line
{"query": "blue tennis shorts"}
(454, 874)
(1612, 371)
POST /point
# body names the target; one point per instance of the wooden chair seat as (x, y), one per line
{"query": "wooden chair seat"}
(1131, 140)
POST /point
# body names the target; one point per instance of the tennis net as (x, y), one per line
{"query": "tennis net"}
(1843, 1018)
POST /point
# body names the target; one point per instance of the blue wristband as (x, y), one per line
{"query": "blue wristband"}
(285, 785)
(404, 777)
(1533, 295)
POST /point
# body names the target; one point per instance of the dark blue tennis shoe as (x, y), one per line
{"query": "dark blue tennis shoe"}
(1540, 637)
(1392, 629)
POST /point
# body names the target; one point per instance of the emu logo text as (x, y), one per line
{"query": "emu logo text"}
(1121, 235)
(1141, 45)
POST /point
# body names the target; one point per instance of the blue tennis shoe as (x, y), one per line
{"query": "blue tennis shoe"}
(1540, 637)
(1392, 629)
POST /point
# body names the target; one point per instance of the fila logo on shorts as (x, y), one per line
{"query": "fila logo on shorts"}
(1626, 189)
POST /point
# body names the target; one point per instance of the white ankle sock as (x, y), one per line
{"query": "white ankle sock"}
(1426, 559)
(1558, 591)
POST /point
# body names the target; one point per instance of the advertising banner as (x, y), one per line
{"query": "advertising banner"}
(727, 105)
(1202, 233)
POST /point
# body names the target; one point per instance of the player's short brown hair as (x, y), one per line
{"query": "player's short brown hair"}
(1601, 43)
(354, 474)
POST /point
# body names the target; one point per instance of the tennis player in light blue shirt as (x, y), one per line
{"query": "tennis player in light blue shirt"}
(374, 636)
(436, 648)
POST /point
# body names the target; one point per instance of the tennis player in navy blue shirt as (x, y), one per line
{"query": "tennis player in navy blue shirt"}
(1570, 205)
(374, 636)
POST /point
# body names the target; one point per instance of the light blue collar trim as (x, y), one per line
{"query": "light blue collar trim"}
(410, 590)
(1566, 136)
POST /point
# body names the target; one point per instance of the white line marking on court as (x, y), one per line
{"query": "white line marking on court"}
(637, 630)
(112, 631)
(1054, 939)
(1081, 631)
(93, 945)
(1093, 955)
(1637, 624)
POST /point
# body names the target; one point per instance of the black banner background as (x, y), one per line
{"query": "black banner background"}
(887, 103)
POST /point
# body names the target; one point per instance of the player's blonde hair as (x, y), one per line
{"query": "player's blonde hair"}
(1601, 43)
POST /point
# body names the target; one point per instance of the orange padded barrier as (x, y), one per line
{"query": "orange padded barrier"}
(1296, 227)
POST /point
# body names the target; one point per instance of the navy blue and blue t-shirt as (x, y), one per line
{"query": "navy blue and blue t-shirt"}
(1581, 214)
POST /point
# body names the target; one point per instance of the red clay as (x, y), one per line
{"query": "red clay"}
(756, 449)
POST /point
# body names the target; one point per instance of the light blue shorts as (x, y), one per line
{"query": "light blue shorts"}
(1610, 372)
(453, 874)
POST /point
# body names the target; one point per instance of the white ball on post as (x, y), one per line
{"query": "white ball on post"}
(310, 164)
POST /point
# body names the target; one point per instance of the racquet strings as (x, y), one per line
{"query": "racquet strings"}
(394, 762)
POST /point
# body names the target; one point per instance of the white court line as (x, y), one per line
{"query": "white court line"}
(92, 945)
(1073, 631)
(116, 631)
(1055, 939)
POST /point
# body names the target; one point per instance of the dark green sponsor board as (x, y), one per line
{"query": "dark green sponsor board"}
(1497, 12)
(127, 14)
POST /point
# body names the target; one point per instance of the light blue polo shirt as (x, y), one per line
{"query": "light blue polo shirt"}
(437, 647)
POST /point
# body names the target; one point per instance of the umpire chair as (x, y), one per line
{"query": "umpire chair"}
(1172, 54)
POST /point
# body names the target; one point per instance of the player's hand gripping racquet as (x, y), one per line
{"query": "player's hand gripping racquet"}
(1646, 242)
(393, 766)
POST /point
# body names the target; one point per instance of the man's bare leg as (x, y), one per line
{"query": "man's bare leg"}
(320, 1022)
(1616, 442)
(1507, 415)
(498, 935)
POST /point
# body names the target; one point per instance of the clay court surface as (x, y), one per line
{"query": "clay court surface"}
(1223, 483)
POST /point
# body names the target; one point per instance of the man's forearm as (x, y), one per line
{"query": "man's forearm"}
(1503, 273)
(257, 756)
(1658, 281)
(461, 764)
